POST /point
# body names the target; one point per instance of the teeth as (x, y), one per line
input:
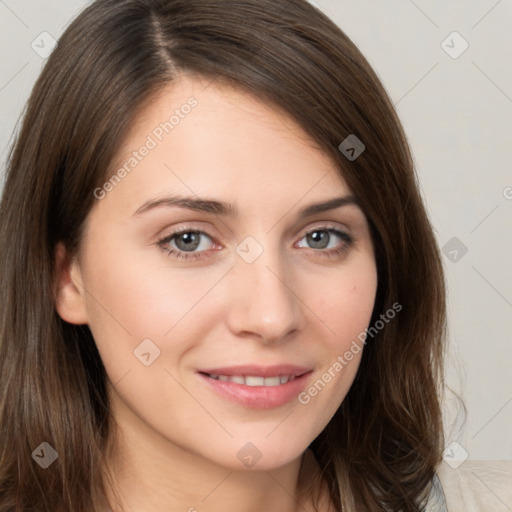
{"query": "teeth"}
(254, 381)
(272, 381)
(251, 380)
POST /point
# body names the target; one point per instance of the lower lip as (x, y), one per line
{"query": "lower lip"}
(258, 397)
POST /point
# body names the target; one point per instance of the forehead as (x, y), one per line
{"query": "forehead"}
(204, 138)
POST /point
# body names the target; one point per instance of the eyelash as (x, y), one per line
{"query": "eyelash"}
(331, 253)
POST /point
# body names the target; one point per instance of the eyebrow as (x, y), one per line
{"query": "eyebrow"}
(228, 209)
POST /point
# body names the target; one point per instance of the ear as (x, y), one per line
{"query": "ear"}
(69, 293)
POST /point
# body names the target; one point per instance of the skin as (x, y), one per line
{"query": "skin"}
(178, 440)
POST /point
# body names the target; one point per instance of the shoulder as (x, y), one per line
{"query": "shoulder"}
(474, 486)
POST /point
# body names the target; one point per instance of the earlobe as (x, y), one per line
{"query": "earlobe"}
(68, 290)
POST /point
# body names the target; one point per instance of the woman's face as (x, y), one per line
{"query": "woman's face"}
(256, 291)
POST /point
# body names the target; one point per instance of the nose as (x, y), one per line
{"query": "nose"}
(263, 300)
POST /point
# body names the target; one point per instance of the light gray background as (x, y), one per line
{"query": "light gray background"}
(457, 113)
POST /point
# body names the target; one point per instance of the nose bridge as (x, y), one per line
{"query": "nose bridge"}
(263, 302)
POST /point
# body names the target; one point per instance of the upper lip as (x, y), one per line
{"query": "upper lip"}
(258, 371)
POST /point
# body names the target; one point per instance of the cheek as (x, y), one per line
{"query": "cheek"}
(345, 309)
(347, 303)
(129, 300)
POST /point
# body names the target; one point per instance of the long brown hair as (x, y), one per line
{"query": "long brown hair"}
(381, 448)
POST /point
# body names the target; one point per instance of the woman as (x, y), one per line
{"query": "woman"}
(221, 287)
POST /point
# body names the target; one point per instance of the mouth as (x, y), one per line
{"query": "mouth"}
(257, 387)
(253, 380)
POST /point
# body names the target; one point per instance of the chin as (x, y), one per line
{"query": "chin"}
(264, 455)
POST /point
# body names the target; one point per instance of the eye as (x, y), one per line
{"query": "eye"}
(329, 240)
(185, 243)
